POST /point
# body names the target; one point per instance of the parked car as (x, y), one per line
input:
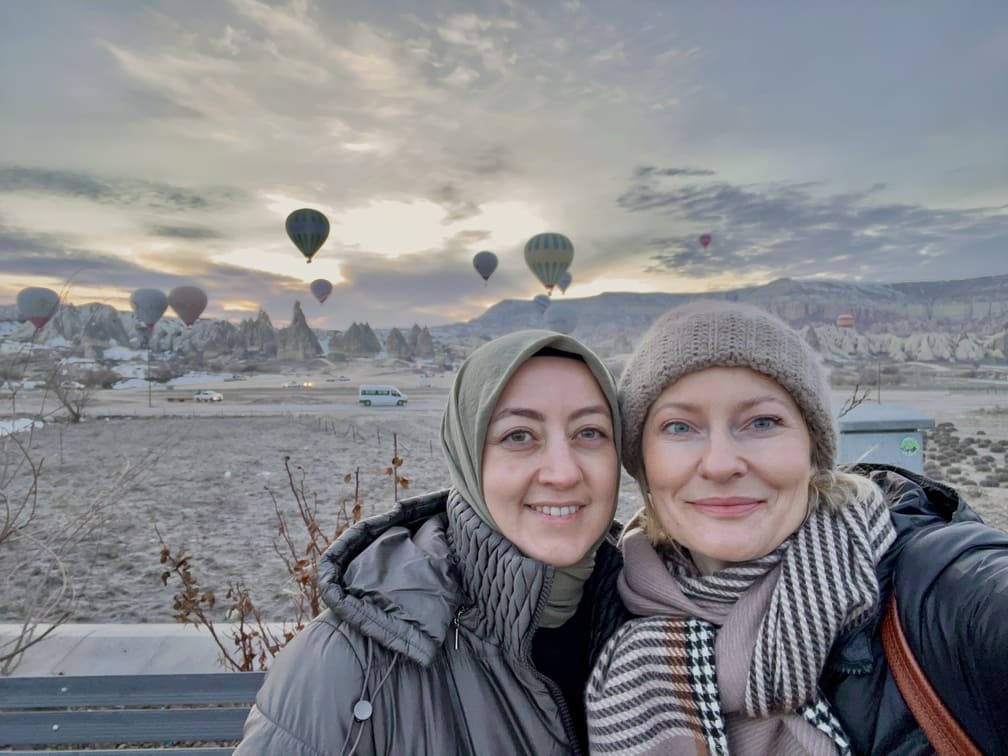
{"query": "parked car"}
(208, 396)
(378, 395)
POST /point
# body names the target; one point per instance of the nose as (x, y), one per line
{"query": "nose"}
(559, 465)
(722, 457)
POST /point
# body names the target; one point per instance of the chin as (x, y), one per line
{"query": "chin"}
(557, 559)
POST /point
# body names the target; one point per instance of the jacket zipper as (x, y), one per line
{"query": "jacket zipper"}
(457, 621)
(552, 687)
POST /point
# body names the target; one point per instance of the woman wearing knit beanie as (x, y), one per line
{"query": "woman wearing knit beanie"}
(467, 620)
(760, 573)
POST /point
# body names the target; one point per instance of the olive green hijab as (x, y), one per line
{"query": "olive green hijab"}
(474, 394)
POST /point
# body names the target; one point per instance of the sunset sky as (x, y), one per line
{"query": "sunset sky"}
(153, 144)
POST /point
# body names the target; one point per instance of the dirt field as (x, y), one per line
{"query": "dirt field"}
(209, 473)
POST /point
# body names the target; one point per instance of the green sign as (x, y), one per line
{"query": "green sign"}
(910, 445)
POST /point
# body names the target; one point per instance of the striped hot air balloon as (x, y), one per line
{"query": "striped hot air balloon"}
(308, 229)
(549, 255)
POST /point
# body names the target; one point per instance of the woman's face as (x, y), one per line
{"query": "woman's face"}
(727, 458)
(549, 467)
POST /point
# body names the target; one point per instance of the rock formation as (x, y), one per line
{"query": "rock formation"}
(425, 344)
(297, 341)
(396, 346)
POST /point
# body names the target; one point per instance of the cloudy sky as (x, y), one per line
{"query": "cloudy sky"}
(153, 144)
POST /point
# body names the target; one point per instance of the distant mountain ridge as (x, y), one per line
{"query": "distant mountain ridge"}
(976, 305)
(952, 321)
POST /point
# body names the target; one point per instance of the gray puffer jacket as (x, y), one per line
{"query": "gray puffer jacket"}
(426, 646)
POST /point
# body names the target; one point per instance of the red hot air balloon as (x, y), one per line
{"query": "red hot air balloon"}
(845, 321)
(705, 240)
(320, 289)
(36, 305)
(188, 302)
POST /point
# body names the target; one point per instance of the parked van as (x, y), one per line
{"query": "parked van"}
(379, 395)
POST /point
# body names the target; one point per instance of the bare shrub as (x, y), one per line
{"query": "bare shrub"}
(859, 395)
(45, 563)
(250, 642)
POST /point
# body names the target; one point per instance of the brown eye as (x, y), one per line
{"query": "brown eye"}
(518, 437)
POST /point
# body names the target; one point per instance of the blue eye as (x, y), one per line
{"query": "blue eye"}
(676, 428)
(768, 422)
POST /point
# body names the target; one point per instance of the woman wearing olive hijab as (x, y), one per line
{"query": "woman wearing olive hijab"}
(466, 621)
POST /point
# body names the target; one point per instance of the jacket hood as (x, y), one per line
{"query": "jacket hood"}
(392, 577)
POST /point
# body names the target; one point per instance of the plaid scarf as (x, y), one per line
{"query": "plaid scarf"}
(658, 688)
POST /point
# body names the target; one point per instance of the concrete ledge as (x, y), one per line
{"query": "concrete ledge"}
(92, 649)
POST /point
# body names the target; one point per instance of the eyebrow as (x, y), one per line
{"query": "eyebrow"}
(531, 414)
(743, 405)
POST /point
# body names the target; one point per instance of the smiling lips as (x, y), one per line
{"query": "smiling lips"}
(562, 511)
(735, 506)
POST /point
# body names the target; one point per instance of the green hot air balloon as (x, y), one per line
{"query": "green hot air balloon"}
(548, 256)
(148, 306)
(188, 302)
(308, 229)
(36, 305)
(485, 264)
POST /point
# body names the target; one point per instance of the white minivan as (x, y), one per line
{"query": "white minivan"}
(379, 395)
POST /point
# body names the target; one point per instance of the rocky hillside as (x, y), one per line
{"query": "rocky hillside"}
(946, 321)
(954, 321)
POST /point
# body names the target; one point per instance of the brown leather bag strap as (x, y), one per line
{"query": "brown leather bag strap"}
(941, 728)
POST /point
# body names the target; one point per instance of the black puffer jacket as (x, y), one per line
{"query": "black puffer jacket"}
(950, 575)
(431, 622)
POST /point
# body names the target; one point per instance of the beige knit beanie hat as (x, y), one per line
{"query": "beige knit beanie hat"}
(713, 333)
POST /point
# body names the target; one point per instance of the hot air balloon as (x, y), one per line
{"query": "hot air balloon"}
(562, 317)
(308, 229)
(564, 282)
(705, 240)
(485, 264)
(148, 305)
(541, 301)
(548, 256)
(36, 305)
(188, 302)
(321, 289)
(845, 321)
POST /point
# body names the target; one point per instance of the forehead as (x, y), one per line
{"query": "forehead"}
(724, 385)
(539, 376)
